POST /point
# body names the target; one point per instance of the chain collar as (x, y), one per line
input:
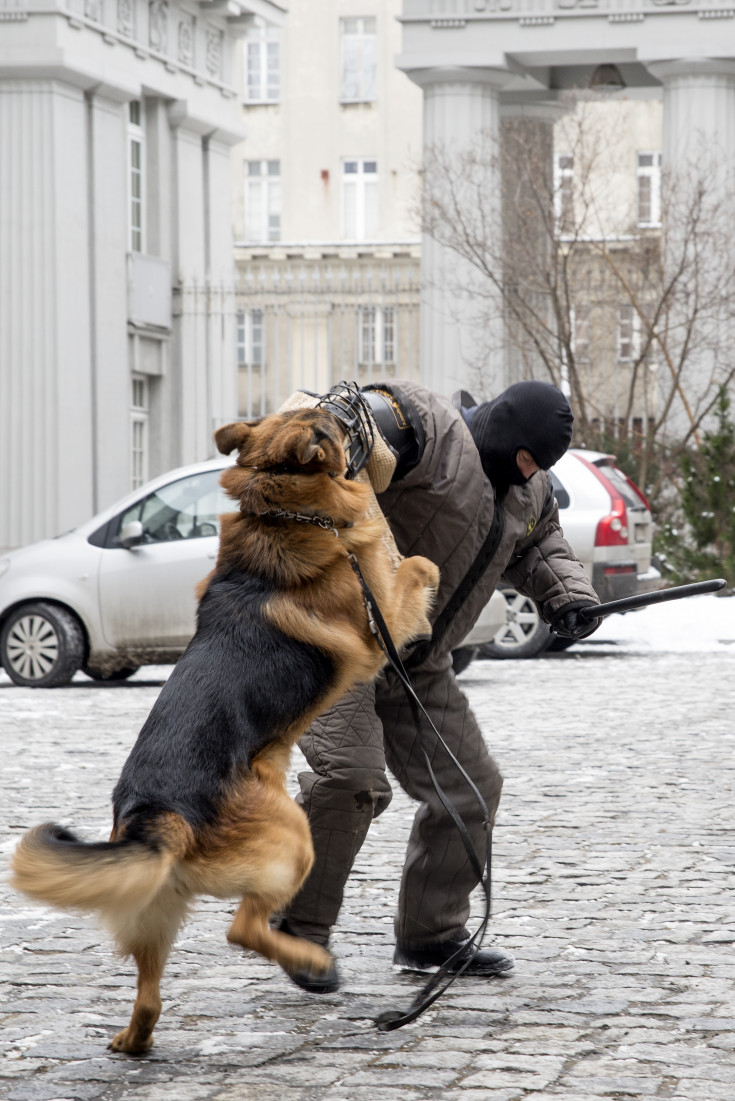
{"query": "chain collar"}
(327, 523)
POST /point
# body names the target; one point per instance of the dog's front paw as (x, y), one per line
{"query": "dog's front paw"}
(424, 571)
(127, 1042)
(319, 975)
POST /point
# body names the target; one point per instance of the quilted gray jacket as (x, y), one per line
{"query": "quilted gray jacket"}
(443, 508)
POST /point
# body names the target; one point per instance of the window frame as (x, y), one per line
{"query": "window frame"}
(249, 337)
(263, 39)
(381, 322)
(270, 201)
(366, 79)
(564, 194)
(632, 340)
(139, 430)
(651, 173)
(136, 139)
(365, 217)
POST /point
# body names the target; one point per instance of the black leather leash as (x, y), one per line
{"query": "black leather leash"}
(444, 977)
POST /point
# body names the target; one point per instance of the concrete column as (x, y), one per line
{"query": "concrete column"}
(699, 148)
(461, 109)
(159, 223)
(45, 372)
(188, 395)
(699, 112)
(221, 278)
(528, 127)
(110, 374)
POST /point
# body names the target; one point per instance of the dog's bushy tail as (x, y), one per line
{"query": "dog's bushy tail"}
(53, 866)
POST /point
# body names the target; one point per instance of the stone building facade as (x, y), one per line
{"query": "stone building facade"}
(326, 220)
(117, 309)
(480, 61)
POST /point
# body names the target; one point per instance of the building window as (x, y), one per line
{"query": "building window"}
(250, 339)
(262, 66)
(263, 201)
(241, 339)
(649, 189)
(358, 47)
(580, 324)
(251, 362)
(136, 177)
(564, 192)
(377, 336)
(359, 199)
(139, 432)
(628, 334)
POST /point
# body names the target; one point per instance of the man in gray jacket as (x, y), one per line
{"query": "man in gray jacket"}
(470, 491)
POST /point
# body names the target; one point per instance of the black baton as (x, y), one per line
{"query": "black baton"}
(629, 603)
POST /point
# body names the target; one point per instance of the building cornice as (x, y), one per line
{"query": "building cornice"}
(329, 250)
(547, 12)
(186, 38)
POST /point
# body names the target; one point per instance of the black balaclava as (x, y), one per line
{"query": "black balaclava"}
(531, 415)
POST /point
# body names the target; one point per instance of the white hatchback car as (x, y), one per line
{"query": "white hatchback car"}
(118, 592)
(607, 521)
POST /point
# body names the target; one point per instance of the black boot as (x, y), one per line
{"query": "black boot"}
(320, 982)
(485, 962)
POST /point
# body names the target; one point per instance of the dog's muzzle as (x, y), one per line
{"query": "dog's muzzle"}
(346, 402)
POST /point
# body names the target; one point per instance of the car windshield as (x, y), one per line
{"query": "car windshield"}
(186, 509)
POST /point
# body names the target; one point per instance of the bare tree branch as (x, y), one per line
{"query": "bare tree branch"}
(538, 255)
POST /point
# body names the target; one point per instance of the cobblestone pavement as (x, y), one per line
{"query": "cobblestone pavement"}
(613, 888)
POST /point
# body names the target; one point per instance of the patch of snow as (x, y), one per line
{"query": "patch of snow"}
(694, 624)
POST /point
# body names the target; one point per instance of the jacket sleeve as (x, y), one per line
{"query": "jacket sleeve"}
(546, 568)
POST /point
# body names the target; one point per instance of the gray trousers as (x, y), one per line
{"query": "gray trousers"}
(347, 749)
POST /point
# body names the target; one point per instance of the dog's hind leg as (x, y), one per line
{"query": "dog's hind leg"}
(250, 929)
(148, 940)
(137, 1038)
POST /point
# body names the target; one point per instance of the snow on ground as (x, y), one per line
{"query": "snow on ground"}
(693, 624)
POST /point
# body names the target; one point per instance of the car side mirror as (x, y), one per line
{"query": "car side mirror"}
(131, 535)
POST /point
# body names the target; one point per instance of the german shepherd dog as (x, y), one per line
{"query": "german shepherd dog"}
(282, 633)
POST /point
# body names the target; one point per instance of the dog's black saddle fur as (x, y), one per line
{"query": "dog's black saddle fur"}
(237, 686)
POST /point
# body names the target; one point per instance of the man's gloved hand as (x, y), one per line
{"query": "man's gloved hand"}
(567, 622)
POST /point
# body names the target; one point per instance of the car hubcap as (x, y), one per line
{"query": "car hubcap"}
(32, 647)
(521, 620)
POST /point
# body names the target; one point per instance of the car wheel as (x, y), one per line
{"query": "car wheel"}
(111, 675)
(462, 657)
(41, 646)
(524, 635)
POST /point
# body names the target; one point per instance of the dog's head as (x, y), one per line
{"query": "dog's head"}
(305, 441)
(293, 460)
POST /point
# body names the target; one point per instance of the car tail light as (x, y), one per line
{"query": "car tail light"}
(612, 530)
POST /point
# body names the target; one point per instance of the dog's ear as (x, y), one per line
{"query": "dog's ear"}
(231, 436)
(308, 447)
